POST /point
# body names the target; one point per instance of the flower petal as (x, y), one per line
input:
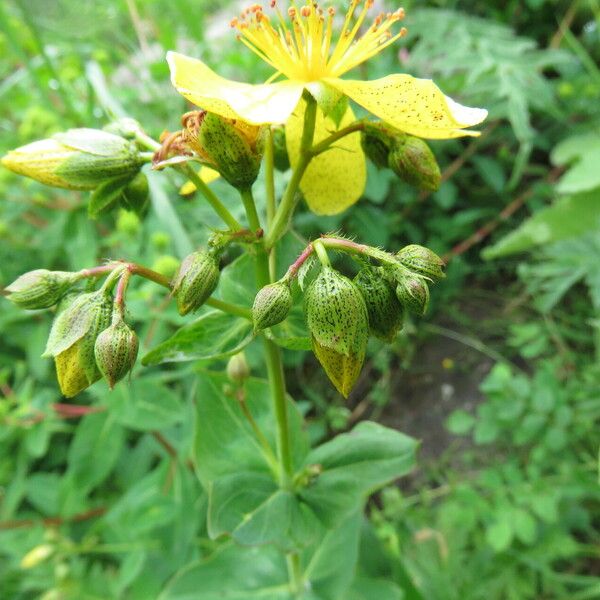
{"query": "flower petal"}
(415, 106)
(335, 179)
(256, 104)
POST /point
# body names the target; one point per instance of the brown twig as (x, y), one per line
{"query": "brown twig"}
(504, 215)
(52, 521)
(170, 449)
(565, 24)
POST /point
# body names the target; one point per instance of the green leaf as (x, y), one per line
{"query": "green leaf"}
(106, 195)
(143, 404)
(353, 465)
(499, 534)
(292, 333)
(369, 588)
(524, 526)
(232, 573)
(460, 422)
(568, 217)
(214, 335)
(237, 283)
(252, 508)
(94, 450)
(582, 152)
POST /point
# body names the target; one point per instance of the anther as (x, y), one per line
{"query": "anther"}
(305, 11)
(331, 11)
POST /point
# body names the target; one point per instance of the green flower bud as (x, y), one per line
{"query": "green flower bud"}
(197, 279)
(281, 160)
(376, 142)
(230, 146)
(337, 319)
(385, 311)
(271, 305)
(421, 260)
(413, 293)
(414, 162)
(237, 368)
(115, 351)
(40, 288)
(72, 339)
(78, 159)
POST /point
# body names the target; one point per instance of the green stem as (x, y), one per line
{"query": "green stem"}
(232, 309)
(288, 202)
(250, 208)
(334, 137)
(270, 196)
(211, 197)
(319, 248)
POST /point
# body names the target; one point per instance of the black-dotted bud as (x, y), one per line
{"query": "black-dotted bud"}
(386, 314)
(271, 305)
(237, 368)
(115, 350)
(421, 260)
(413, 293)
(40, 288)
(414, 162)
(376, 142)
(337, 320)
(197, 279)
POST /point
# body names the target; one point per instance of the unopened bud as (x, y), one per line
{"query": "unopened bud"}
(414, 162)
(197, 279)
(37, 555)
(231, 146)
(40, 288)
(72, 339)
(78, 159)
(337, 320)
(271, 305)
(376, 142)
(237, 368)
(421, 260)
(385, 311)
(115, 351)
(413, 293)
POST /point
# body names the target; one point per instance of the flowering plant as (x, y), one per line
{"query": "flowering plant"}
(266, 488)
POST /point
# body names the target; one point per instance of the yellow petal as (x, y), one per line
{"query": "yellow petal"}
(343, 370)
(256, 104)
(207, 175)
(415, 106)
(335, 179)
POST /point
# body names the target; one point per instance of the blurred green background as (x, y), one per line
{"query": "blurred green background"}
(501, 380)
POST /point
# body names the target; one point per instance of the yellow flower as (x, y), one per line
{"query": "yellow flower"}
(305, 53)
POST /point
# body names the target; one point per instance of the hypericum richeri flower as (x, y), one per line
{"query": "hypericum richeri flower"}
(304, 50)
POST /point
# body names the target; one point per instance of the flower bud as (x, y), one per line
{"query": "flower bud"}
(197, 279)
(413, 293)
(385, 311)
(376, 142)
(237, 368)
(231, 146)
(37, 555)
(414, 162)
(421, 260)
(115, 351)
(72, 338)
(78, 159)
(337, 319)
(40, 288)
(271, 305)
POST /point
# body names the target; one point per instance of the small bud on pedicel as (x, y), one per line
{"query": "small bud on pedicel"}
(376, 142)
(414, 162)
(237, 368)
(136, 194)
(421, 260)
(78, 159)
(197, 279)
(271, 305)
(230, 146)
(281, 160)
(40, 288)
(338, 322)
(115, 351)
(384, 309)
(413, 293)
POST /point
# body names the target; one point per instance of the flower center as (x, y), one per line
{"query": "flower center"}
(303, 48)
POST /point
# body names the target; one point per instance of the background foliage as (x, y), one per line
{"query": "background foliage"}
(502, 382)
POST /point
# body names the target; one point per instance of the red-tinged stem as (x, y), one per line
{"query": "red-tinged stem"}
(74, 411)
(121, 289)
